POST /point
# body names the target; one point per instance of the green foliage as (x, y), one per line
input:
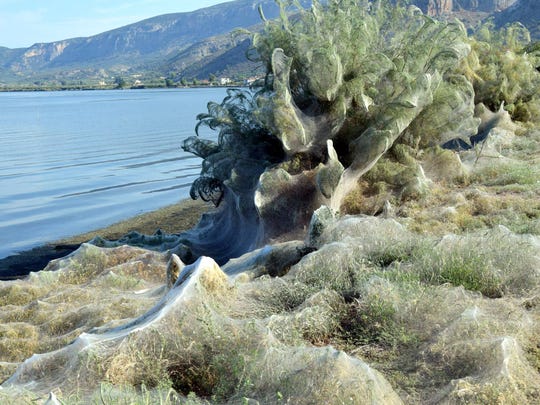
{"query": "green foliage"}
(468, 269)
(373, 321)
(169, 82)
(507, 174)
(503, 68)
(533, 49)
(494, 265)
(384, 255)
(120, 82)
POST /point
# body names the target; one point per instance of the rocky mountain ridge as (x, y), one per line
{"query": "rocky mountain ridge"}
(135, 48)
(525, 11)
(441, 7)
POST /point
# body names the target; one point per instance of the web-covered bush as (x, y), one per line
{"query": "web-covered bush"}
(503, 67)
(361, 64)
(349, 85)
(243, 144)
(343, 71)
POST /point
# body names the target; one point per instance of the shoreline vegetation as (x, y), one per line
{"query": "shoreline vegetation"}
(6, 88)
(173, 218)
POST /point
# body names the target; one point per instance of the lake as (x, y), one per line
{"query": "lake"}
(72, 162)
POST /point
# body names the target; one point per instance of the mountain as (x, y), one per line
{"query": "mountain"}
(442, 7)
(525, 11)
(136, 47)
(159, 36)
(193, 45)
(217, 56)
(488, 6)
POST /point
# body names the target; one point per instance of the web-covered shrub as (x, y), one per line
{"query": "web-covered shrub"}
(503, 67)
(362, 74)
(244, 146)
(350, 86)
(359, 63)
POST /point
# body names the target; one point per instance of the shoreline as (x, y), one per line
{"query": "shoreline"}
(98, 88)
(173, 218)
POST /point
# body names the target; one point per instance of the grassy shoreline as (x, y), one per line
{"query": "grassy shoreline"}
(173, 218)
(170, 219)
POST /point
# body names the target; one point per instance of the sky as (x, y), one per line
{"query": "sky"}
(26, 22)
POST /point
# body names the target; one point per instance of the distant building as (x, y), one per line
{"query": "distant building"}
(224, 81)
(250, 80)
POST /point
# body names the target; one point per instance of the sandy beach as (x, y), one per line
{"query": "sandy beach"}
(171, 219)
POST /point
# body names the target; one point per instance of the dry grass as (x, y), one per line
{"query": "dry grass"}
(52, 308)
(172, 219)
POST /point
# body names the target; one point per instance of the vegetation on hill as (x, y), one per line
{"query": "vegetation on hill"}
(524, 11)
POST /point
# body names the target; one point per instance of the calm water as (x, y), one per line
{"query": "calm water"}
(72, 162)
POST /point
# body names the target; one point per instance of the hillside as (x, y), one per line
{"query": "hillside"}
(525, 11)
(134, 49)
(193, 45)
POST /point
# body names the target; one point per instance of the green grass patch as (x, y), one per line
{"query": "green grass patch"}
(373, 321)
(507, 174)
(460, 266)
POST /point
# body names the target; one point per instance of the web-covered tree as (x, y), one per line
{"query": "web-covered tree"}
(504, 67)
(348, 82)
